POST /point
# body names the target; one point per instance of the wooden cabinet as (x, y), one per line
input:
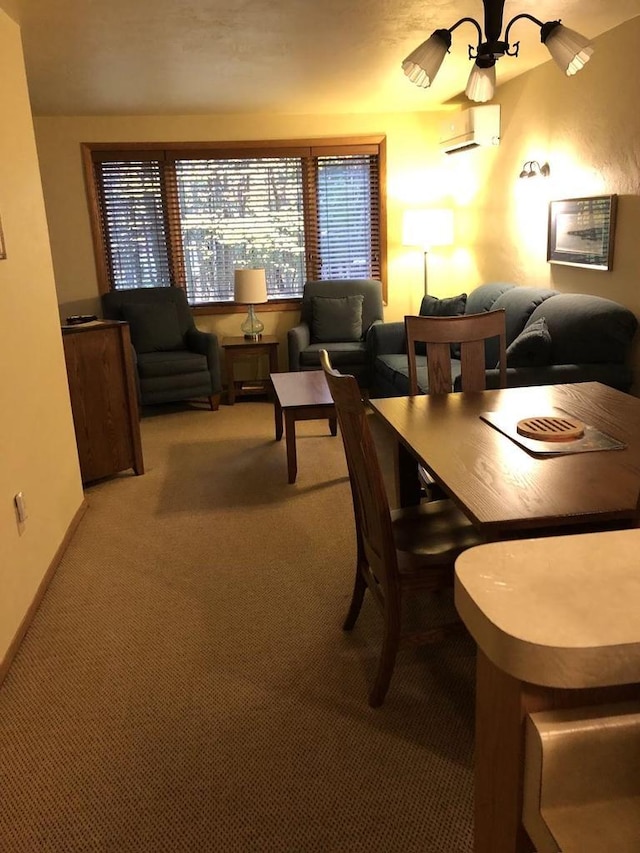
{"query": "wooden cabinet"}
(104, 400)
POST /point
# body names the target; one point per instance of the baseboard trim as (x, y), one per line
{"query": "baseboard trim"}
(6, 662)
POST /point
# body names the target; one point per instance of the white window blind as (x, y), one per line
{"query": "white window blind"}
(238, 214)
(347, 217)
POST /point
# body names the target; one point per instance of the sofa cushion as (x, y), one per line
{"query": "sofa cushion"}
(154, 326)
(451, 306)
(336, 318)
(393, 369)
(482, 298)
(341, 354)
(587, 329)
(519, 304)
(370, 289)
(532, 347)
(176, 363)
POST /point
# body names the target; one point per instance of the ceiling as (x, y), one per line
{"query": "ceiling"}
(118, 57)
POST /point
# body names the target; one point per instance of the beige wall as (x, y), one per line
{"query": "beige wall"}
(37, 443)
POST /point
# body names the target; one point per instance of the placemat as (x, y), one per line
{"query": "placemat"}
(593, 439)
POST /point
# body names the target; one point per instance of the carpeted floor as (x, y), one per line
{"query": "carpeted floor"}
(186, 685)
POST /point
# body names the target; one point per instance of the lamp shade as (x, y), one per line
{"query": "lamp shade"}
(481, 84)
(249, 286)
(427, 228)
(422, 65)
(569, 50)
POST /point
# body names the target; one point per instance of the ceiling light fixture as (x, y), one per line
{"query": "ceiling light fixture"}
(569, 50)
(532, 169)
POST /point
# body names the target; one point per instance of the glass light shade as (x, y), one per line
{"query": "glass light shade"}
(569, 50)
(427, 228)
(481, 84)
(422, 65)
(249, 287)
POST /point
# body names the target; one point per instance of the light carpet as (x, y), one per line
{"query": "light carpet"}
(186, 685)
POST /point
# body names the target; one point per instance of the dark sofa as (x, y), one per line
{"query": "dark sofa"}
(588, 338)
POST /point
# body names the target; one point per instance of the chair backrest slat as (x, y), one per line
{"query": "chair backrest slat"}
(470, 331)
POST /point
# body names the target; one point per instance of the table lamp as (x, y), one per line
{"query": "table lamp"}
(427, 228)
(249, 288)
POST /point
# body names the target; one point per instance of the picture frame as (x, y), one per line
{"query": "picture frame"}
(582, 231)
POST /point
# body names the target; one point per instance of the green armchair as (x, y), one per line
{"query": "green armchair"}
(336, 316)
(174, 360)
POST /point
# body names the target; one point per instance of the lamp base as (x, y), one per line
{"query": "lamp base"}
(252, 326)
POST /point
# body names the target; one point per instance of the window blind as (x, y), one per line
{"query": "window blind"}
(241, 213)
(189, 218)
(348, 234)
(133, 228)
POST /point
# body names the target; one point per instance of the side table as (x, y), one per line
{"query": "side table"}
(238, 348)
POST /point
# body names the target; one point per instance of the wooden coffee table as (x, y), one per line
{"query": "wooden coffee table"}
(302, 396)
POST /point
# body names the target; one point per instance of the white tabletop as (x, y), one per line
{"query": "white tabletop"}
(560, 611)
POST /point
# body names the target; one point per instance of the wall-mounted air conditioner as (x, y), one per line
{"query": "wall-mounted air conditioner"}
(470, 128)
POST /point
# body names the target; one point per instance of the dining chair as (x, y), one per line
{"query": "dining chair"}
(399, 552)
(440, 334)
(470, 331)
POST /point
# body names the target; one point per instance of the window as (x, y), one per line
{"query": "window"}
(187, 218)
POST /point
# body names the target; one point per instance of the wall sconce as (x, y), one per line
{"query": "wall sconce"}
(427, 228)
(533, 169)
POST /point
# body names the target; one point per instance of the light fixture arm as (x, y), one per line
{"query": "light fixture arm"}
(468, 21)
(512, 50)
(473, 21)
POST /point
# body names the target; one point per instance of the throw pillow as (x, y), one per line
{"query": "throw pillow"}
(154, 326)
(452, 306)
(532, 347)
(336, 318)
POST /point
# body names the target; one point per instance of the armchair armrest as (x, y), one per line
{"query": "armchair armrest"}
(386, 338)
(298, 339)
(206, 343)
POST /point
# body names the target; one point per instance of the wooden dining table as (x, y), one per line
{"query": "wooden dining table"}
(504, 488)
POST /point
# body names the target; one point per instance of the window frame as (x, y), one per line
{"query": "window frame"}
(314, 147)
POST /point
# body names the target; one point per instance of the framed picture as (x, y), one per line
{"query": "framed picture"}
(581, 231)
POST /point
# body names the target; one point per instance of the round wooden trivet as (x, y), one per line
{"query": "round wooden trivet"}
(551, 428)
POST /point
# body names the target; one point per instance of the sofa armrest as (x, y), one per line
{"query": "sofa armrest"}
(386, 338)
(206, 343)
(298, 339)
